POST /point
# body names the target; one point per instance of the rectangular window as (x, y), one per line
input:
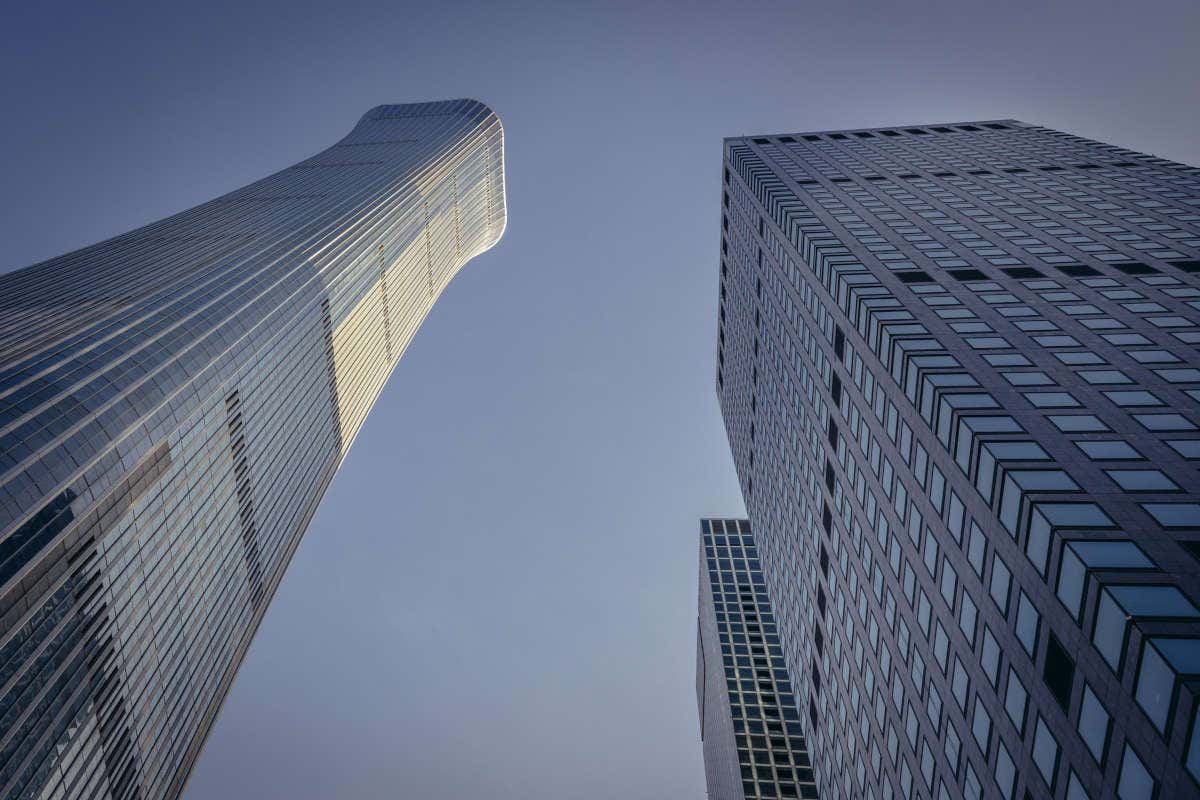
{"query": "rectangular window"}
(1028, 620)
(1135, 782)
(1164, 661)
(981, 725)
(1094, 724)
(1015, 701)
(1045, 752)
(998, 589)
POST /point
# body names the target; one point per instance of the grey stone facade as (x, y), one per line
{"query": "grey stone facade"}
(957, 365)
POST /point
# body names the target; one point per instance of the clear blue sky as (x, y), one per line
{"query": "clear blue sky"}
(497, 598)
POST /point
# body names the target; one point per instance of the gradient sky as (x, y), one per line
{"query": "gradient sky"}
(497, 597)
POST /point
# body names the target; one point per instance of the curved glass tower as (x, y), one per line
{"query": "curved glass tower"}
(174, 403)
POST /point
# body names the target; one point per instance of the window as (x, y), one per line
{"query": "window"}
(976, 548)
(1007, 360)
(1118, 605)
(971, 783)
(967, 616)
(1163, 662)
(1027, 378)
(1078, 423)
(1133, 398)
(1164, 422)
(981, 725)
(1174, 515)
(1043, 480)
(1142, 480)
(1061, 340)
(1006, 772)
(1126, 339)
(952, 747)
(1094, 724)
(989, 656)
(1105, 376)
(1027, 624)
(1074, 515)
(949, 583)
(1188, 375)
(1075, 789)
(1079, 359)
(1192, 759)
(1188, 448)
(1053, 399)
(1058, 672)
(1154, 356)
(959, 684)
(1135, 782)
(1045, 516)
(1109, 450)
(1016, 700)
(1045, 752)
(1080, 557)
(1001, 577)
(941, 645)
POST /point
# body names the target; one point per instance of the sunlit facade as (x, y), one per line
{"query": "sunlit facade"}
(174, 403)
(958, 370)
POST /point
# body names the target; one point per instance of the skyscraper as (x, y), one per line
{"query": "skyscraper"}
(174, 403)
(753, 741)
(958, 370)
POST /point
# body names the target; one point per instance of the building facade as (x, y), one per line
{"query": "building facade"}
(958, 370)
(173, 404)
(753, 740)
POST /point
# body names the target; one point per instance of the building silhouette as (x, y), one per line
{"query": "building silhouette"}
(173, 404)
(958, 370)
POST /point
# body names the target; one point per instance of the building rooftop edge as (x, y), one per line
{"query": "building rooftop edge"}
(876, 128)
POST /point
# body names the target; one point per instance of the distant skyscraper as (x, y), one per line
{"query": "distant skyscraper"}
(958, 368)
(173, 404)
(753, 742)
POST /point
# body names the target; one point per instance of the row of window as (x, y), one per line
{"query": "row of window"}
(772, 432)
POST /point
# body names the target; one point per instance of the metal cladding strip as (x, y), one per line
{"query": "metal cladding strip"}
(174, 402)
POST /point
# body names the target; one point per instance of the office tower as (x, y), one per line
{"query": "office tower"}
(173, 404)
(958, 370)
(753, 741)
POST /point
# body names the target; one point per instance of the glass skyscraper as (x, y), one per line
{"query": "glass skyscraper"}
(958, 370)
(753, 740)
(173, 404)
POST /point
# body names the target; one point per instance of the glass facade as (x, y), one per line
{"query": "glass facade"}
(173, 404)
(958, 370)
(749, 724)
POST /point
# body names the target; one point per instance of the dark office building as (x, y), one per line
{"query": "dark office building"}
(958, 369)
(753, 740)
(173, 404)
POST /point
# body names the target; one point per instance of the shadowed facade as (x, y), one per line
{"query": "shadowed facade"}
(957, 365)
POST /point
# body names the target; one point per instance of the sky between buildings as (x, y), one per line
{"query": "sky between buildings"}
(497, 597)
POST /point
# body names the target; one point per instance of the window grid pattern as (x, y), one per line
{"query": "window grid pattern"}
(753, 743)
(957, 368)
(173, 404)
